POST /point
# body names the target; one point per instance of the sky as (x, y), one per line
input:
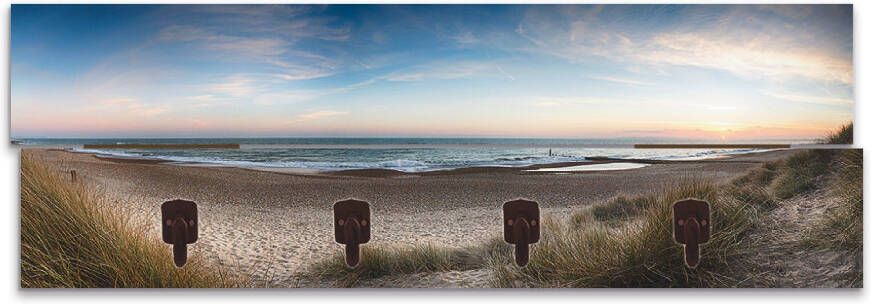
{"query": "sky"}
(708, 72)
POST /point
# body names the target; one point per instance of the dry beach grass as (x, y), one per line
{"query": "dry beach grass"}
(71, 237)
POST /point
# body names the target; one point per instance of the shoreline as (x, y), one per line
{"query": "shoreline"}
(384, 172)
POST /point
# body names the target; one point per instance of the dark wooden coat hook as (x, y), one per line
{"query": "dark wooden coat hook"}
(179, 221)
(352, 221)
(692, 226)
(522, 227)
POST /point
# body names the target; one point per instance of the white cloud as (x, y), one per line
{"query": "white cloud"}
(206, 97)
(318, 115)
(255, 35)
(238, 85)
(290, 21)
(223, 46)
(745, 57)
(622, 80)
(834, 101)
(566, 101)
(121, 101)
(465, 38)
(291, 71)
(286, 96)
(261, 89)
(128, 106)
(740, 42)
(449, 70)
(252, 13)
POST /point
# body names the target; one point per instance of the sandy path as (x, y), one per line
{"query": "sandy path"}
(271, 225)
(781, 250)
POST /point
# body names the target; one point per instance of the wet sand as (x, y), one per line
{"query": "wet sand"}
(272, 224)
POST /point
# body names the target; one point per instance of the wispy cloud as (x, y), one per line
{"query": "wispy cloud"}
(128, 107)
(622, 80)
(318, 115)
(292, 64)
(290, 21)
(741, 42)
(465, 38)
(566, 101)
(217, 41)
(449, 70)
(237, 85)
(746, 57)
(291, 72)
(263, 89)
(277, 36)
(206, 101)
(287, 96)
(821, 100)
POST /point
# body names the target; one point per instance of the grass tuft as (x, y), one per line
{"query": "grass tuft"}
(638, 254)
(847, 216)
(761, 177)
(70, 237)
(800, 172)
(841, 228)
(379, 261)
(842, 136)
(621, 207)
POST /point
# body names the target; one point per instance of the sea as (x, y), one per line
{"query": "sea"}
(401, 154)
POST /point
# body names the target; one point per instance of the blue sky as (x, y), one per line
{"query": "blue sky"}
(721, 72)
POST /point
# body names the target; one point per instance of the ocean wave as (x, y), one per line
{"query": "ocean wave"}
(405, 160)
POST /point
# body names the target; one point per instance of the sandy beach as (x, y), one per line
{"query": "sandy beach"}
(271, 225)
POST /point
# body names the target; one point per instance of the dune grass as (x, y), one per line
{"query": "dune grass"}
(846, 219)
(379, 261)
(841, 228)
(800, 172)
(594, 255)
(71, 237)
(841, 136)
(620, 208)
(640, 253)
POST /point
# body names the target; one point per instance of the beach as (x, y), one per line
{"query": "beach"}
(272, 225)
